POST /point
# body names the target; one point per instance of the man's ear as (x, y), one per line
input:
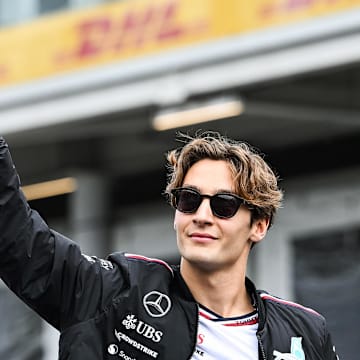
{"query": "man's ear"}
(259, 229)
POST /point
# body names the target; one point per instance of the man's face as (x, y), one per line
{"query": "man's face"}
(209, 242)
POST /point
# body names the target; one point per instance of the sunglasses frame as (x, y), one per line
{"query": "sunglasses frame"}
(239, 201)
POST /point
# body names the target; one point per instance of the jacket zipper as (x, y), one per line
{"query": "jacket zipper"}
(197, 326)
(261, 346)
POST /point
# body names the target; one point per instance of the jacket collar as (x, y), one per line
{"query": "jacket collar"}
(257, 302)
(180, 286)
(182, 289)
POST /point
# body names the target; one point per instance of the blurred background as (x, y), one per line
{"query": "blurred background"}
(93, 92)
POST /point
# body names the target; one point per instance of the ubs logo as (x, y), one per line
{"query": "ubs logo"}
(156, 304)
(146, 330)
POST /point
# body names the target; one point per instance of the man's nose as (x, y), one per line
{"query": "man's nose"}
(204, 213)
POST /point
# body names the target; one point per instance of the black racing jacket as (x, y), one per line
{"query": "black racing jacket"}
(127, 306)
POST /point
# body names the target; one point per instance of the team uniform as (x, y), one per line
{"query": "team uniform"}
(226, 338)
(131, 307)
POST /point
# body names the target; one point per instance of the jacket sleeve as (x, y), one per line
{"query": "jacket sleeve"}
(329, 348)
(45, 269)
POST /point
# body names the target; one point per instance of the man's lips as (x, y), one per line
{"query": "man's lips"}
(202, 237)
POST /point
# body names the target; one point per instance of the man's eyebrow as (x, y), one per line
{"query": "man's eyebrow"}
(225, 191)
(193, 187)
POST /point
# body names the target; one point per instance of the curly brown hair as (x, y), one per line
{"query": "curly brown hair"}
(254, 180)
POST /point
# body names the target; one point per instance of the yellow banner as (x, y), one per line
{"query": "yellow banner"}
(123, 30)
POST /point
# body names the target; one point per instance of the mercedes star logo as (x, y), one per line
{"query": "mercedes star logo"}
(156, 304)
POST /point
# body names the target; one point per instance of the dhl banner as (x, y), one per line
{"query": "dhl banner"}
(125, 30)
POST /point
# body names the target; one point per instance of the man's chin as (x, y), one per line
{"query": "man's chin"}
(201, 262)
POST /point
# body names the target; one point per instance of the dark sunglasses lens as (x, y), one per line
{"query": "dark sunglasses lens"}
(224, 206)
(187, 201)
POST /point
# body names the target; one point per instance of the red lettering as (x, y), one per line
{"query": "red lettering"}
(290, 5)
(157, 23)
(93, 36)
(134, 29)
(201, 338)
(298, 4)
(168, 27)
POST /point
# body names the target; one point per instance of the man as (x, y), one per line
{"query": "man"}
(131, 307)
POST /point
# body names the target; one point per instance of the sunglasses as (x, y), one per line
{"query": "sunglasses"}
(223, 205)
